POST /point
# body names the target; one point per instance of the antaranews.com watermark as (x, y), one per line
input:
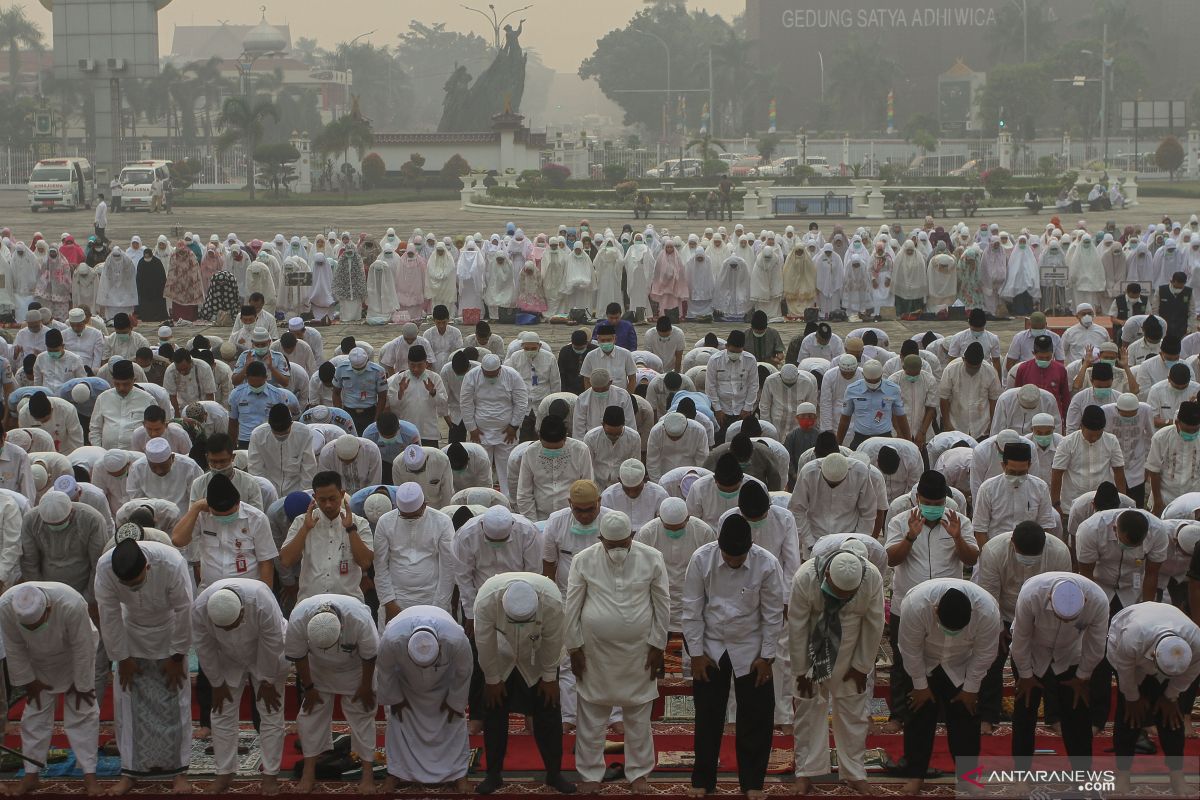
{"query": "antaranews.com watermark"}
(1046, 776)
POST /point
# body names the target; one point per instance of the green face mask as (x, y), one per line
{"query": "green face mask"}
(59, 526)
(258, 389)
(122, 337)
(912, 378)
(949, 632)
(758, 335)
(554, 453)
(599, 394)
(729, 495)
(1043, 364)
(675, 534)
(1102, 395)
(226, 519)
(1189, 437)
(591, 529)
(931, 513)
(607, 347)
(1045, 440)
(579, 350)
(498, 544)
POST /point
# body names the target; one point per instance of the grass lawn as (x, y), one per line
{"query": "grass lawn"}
(264, 198)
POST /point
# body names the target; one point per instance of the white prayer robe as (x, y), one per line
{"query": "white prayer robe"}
(175, 486)
(777, 402)
(423, 746)
(382, 304)
(821, 509)
(414, 560)
(608, 455)
(435, 477)
(478, 559)
(664, 454)
(543, 483)
(114, 417)
(365, 469)
(676, 548)
(288, 463)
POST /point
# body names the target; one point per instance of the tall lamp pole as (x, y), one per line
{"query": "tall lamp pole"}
(495, 21)
(667, 50)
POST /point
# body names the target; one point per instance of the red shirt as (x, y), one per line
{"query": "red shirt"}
(1053, 379)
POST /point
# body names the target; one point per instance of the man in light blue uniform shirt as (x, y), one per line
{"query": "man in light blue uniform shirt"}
(251, 401)
(83, 403)
(873, 406)
(360, 387)
(391, 435)
(260, 350)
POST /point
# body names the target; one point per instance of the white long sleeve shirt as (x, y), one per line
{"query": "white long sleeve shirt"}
(965, 657)
(833, 391)
(777, 535)
(731, 611)
(861, 620)
(288, 463)
(88, 344)
(1002, 574)
(931, 556)
(255, 646)
(479, 559)
(534, 647)
(1085, 465)
(732, 383)
(589, 409)
(155, 620)
(61, 652)
(1041, 641)
(338, 669)
(664, 454)
(1134, 435)
(821, 509)
(175, 486)
(641, 509)
(676, 548)
(414, 559)
(114, 417)
(1003, 501)
(1176, 462)
(1132, 636)
(563, 537)
(1118, 570)
(608, 455)
(540, 373)
(778, 401)
(63, 425)
(543, 483)
(490, 405)
(417, 405)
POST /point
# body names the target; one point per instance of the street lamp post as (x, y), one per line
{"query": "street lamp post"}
(1105, 78)
(667, 104)
(494, 21)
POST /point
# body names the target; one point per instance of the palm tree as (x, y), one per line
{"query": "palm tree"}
(1013, 34)
(862, 76)
(1127, 32)
(707, 145)
(241, 121)
(209, 85)
(17, 31)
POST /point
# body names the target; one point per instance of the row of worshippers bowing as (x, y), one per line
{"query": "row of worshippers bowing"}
(714, 274)
(485, 613)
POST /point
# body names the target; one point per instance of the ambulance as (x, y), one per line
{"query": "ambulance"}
(145, 185)
(61, 183)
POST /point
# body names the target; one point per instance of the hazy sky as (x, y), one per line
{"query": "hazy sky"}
(564, 32)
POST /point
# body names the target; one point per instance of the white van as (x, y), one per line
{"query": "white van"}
(145, 185)
(61, 183)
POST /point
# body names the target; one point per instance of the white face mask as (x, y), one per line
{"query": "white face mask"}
(617, 555)
(1027, 561)
(1086, 320)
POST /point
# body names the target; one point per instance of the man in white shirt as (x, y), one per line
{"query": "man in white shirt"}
(609, 356)
(494, 400)
(119, 410)
(968, 391)
(443, 337)
(1173, 464)
(334, 643)
(634, 495)
(414, 555)
(518, 632)
(733, 601)
(233, 539)
(976, 332)
(589, 409)
(1132, 423)
(1021, 347)
(1058, 638)
(355, 459)
(731, 382)
(1083, 335)
(331, 543)
(948, 637)
(538, 367)
(930, 541)
(1005, 563)
(239, 634)
(667, 342)
(1004, 501)
(1085, 459)
(835, 624)
(418, 395)
(675, 441)
(1016, 408)
(56, 417)
(57, 365)
(548, 469)
(188, 380)
(676, 535)
(84, 340)
(282, 452)
(833, 494)
(610, 444)
(1155, 650)
(469, 465)
(163, 474)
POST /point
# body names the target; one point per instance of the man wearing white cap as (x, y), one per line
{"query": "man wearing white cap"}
(354, 458)
(519, 635)
(617, 611)
(334, 643)
(87, 494)
(239, 636)
(163, 474)
(423, 673)
(675, 440)
(1084, 335)
(634, 495)
(781, 393)
(494, 401)
(1155, 650)
(539, 369)
(871, 406)
(835, 624)
(1016, 408)
(309, 335)
(428, 467)
(395, 354)
(1132, 422)
(59, 540)
(833, 494)
(1045, 437)
(360, 387)
(1058, 638)
(53, 415)
(414, 554)
(733, 601)
(50, 646)
(84, 341)
(594, 401)
(676, 535)
(260, 351)
(833, 390)
(494, 542)
(144, 595)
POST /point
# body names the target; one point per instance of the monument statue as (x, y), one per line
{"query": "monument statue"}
(470, 107)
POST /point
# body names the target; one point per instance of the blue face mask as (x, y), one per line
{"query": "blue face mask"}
(226, 519)
(591, 529)
(931, 513)
(1102, 394)
(1043, 364)
(1189, 437)
(559, 453)
(828, 591)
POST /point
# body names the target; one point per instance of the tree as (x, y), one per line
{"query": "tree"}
(456, 166)
(208, 83)
(413, 170)
(241, 122)
(277, 160)
(1169, 155)
(707, 144)
(309, 51)
(352, 130)
(380, 84)
(1022, 90)
(922, 130)
(427, 55)
(184, 173)
(862, 75)
(18, 31)
(1012, 33)
(767, 146)
(373, 170)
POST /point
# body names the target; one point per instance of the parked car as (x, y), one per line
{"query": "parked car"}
(746, 167)
(676, 168)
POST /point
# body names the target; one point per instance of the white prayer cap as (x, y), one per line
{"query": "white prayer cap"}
(76, 315)
(67, 485)
(81, 392)
(835, 467)
(55, 506)
(845, 571)
(847, 361)
(852, 545)
(520, 601)
(409, 497)
(295, 324)
(1187, 537)
(224, 607)
(40, 476)
(29, 603)
(1066, 599)
(872, 370)
(33, 314)
(529, 337)
(324, 630)
(21, 438)
(1128, 401)
(497, 523)
(358, 357)
(346, 447)
(415, 456)
(1041, 419)
(632, 472)
(490, 362)
(614, 527)
(806, 408)
(376, 505)
(260, 335)
(828, 248)
(1006, 437)
(1029, 396)
(158, 450)
(165, 332)
(674, 423)
(423, 647)
(600, 378)
(789, 372)
(1079, 309)
(114, 461)
(1173, 655)
(673, 511)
